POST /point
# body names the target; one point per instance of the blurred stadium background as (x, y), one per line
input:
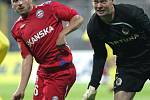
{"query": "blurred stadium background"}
(10, 68)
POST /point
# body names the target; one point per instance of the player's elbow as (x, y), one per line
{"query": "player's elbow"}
(77, 21)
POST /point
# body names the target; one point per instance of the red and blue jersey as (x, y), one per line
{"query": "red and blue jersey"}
(37, 33)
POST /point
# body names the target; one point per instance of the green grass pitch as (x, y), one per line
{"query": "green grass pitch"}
(6, 90)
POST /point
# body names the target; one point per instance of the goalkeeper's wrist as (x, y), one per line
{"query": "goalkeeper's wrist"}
(90, 93)
(95, 85)
(91, 88)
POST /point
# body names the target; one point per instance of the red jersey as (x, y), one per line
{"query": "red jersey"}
(37, 34)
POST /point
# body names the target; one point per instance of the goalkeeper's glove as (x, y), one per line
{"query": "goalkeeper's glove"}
(90, 93)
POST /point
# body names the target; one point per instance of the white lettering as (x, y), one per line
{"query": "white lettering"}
(125, 40)
(42, 33)
(46, 31)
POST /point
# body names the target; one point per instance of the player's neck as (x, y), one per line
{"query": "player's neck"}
(25, 15)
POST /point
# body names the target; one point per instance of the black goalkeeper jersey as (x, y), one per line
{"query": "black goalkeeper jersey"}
(128, 35)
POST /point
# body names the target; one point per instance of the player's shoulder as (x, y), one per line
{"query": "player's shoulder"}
(17, 25)
(48, 3)
(91, 23)
(128, 11)
(94, 24)
(93, 19)
(128, 8)
(14, 27)
(45, 3)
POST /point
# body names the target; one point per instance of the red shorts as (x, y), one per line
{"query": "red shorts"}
(54, 83)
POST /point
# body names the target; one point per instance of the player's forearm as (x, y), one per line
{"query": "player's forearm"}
(74, 24)
(98, 66)
(26, 71)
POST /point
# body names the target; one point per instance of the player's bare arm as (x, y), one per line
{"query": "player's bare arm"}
(74, 24)
(25, 74)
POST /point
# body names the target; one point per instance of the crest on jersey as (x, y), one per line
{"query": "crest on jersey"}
(124, 28)
(39, 13)
(118, 81)
(125, 31)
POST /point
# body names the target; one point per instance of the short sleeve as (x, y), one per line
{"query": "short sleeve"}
(142, 20)
(22, 46)
(62, 11)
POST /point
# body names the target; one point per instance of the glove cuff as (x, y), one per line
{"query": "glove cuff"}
(93, 85)
(91, 88)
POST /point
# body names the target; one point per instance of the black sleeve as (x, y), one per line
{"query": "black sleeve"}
(99, 58)
(142, 20)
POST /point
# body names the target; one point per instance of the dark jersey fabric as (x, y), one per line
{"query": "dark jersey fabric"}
(128, 34)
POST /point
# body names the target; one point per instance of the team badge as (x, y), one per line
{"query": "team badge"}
(125, 31)
(55, 98)
(118, 81)
(39, 13)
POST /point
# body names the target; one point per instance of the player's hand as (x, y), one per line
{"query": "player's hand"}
(18, 95)
(90, 93)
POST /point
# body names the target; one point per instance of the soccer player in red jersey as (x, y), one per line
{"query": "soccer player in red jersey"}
(40, 34)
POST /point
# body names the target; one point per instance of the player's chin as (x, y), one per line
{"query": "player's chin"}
(101, 14)
(20, 12)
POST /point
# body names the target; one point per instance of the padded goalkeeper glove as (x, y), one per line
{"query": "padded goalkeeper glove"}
(90, 93)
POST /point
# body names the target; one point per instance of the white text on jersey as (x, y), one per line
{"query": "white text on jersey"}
(42, 33)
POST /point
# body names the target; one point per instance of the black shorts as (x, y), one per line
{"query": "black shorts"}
(131, 78)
